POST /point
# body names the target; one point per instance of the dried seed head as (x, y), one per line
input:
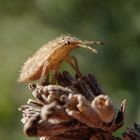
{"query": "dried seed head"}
(50, 56)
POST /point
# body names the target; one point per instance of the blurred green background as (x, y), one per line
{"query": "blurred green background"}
(27, 24)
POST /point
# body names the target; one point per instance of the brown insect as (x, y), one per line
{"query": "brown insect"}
(51, 55)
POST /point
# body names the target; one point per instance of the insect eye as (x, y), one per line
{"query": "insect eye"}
(67, 42)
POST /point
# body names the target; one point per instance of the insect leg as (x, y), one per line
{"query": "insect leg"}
(53, 78)
(44, 80)
(72, 61)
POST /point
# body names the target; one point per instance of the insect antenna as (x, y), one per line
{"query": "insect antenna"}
(85, 43)
(92, 42)
(88, 47)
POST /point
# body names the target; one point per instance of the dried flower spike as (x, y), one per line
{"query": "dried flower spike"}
(49, 57)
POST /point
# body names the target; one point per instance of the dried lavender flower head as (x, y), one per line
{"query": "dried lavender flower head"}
(50, 56)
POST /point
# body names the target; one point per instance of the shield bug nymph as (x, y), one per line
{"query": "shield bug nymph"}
(49, 57)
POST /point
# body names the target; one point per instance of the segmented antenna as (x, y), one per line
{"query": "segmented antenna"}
(92, 42)
(85, 43)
